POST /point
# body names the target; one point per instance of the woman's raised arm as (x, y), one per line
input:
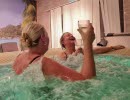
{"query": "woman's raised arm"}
(52, 68)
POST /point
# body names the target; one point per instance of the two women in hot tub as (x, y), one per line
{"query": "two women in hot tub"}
(35, 37)
(67, 42)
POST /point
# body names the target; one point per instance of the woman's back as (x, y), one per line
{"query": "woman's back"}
(34, 72)
(29, 67)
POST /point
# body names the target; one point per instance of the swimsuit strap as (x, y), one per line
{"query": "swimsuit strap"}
(66, 55)
(33, 59)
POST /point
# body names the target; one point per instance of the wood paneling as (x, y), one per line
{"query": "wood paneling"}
(51, 4)
(44, 19)
(126, 15)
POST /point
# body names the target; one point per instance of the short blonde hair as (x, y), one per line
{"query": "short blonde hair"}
(31, 34)
(62, 39)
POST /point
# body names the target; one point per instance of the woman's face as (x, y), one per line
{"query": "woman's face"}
(68, 39)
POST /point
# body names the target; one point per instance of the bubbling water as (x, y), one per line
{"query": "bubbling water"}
(111, 83)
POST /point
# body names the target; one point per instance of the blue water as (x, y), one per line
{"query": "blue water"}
(5, 40)
(111, 83)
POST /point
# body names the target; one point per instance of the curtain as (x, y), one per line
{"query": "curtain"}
(111, 16)
(56, 27)
(96, 20)
(86, 8)
(90, 11)
(67, 17)
(71, 15)
(81, 10)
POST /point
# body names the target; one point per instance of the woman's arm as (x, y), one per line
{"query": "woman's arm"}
(88, 69)
(100, 50)
(52, 68)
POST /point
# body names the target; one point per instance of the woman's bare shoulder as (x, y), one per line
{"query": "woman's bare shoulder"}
(62, 55)
(20, 63)
(49, 66)
(48, 61)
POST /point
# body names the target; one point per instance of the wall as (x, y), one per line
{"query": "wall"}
(126, 15)
(124, 40)
(51, 4)
(43, 17)
(119, 40)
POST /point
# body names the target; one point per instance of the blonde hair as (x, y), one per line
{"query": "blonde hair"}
(32, 33)
(61, 40)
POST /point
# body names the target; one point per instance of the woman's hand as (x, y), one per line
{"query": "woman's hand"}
(117, 47)
(79, 50)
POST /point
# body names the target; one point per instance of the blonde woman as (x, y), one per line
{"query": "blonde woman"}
(67, 42)
(32, 61)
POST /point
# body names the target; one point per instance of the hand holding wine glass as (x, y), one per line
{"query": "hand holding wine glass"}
(87, 31)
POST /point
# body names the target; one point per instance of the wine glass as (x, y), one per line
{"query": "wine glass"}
(83, 24)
